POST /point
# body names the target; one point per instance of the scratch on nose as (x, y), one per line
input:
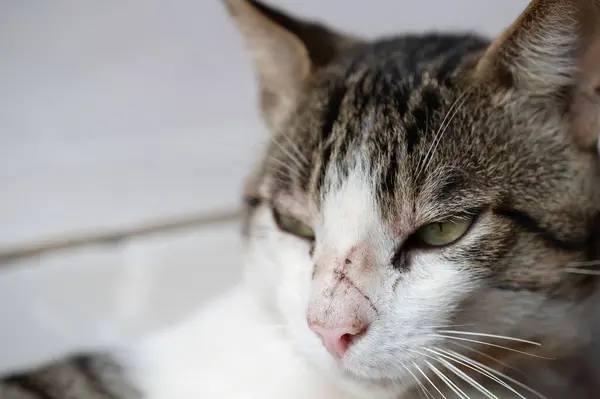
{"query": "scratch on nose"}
(343, 278)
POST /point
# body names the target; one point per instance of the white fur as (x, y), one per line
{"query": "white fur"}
(231, 350)
(255, 342)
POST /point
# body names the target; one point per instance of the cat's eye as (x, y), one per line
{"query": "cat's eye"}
(443, 233)
(291, 225)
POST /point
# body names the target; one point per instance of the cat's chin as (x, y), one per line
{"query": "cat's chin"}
(355, 371)
(361, 377)
(371, 375)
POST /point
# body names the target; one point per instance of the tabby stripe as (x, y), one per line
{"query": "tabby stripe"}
(528, 223)
(430, 102)
(453, 56)
(84, 365)
(31, 386)
(332, 113)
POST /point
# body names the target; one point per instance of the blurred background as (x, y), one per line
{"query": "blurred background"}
(127, 127)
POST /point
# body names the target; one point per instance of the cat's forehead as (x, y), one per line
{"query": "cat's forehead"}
(423, 138)
(381, 111)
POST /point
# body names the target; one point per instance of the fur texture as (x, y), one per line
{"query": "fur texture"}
(381, 138)
(372, 141)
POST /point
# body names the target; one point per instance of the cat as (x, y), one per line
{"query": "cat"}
(419, 224)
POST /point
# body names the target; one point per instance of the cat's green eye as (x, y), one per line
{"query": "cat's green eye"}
(443, 233)
(294, 226)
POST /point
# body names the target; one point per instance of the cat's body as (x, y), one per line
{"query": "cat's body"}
(250, 357)
(415, 222)
(81, 377)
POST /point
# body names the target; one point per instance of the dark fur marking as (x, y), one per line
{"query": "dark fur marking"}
(30, 385)
(84, 365)
(430, 103)
(528, 223)
(400, 260)
(331, 115)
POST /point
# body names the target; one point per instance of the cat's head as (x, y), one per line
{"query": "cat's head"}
(419, 191)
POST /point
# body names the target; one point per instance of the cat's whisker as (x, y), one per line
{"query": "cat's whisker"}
(429, 380)
(477, 334)
(574, 270)
(425, 160)
(585, 263)
(462, 374)
(469, 363)
(450, 326)
(436, 358)
(292, 158)
(480, 353)
(582, 267)
(422, 387)
(463, 99)
(296, 150)
(450, 337)
(286, 167)
(499, 374)
(446, 381)
(297, 173)
(283, 175)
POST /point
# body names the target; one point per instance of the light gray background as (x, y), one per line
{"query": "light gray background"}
(119, 113)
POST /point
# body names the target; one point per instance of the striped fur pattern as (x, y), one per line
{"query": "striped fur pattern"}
(379, 138)
(82, 377)
(372, 140)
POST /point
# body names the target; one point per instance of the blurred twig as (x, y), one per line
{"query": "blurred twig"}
(8, 255)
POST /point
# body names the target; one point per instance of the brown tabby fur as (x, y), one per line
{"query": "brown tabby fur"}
(505, 129)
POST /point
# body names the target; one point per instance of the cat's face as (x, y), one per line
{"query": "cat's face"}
(413, 197)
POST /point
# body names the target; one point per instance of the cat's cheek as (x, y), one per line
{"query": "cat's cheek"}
(424, 300)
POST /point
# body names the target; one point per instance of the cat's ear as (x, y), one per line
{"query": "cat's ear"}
(553, 50)
(285, 51)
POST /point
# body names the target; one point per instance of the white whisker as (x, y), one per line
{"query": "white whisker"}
(423, 160)
(486, 356)
(499, 374)
(441, 130)
(464, 376)
(585, 263)
(441, 134)
(467, 362)
(447, 381)
(289, 155)
(288, 168)
(419, 383)
(451, 326)
(296, 150)
(429, 380)
(574, 270)
(490, 344)
(437, 359)
(490, 336)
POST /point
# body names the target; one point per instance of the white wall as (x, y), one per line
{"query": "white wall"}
(117, 113)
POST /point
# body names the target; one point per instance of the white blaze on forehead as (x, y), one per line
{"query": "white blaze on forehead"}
(350, 213)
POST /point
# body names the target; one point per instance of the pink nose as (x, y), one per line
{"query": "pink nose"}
(337, 340)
